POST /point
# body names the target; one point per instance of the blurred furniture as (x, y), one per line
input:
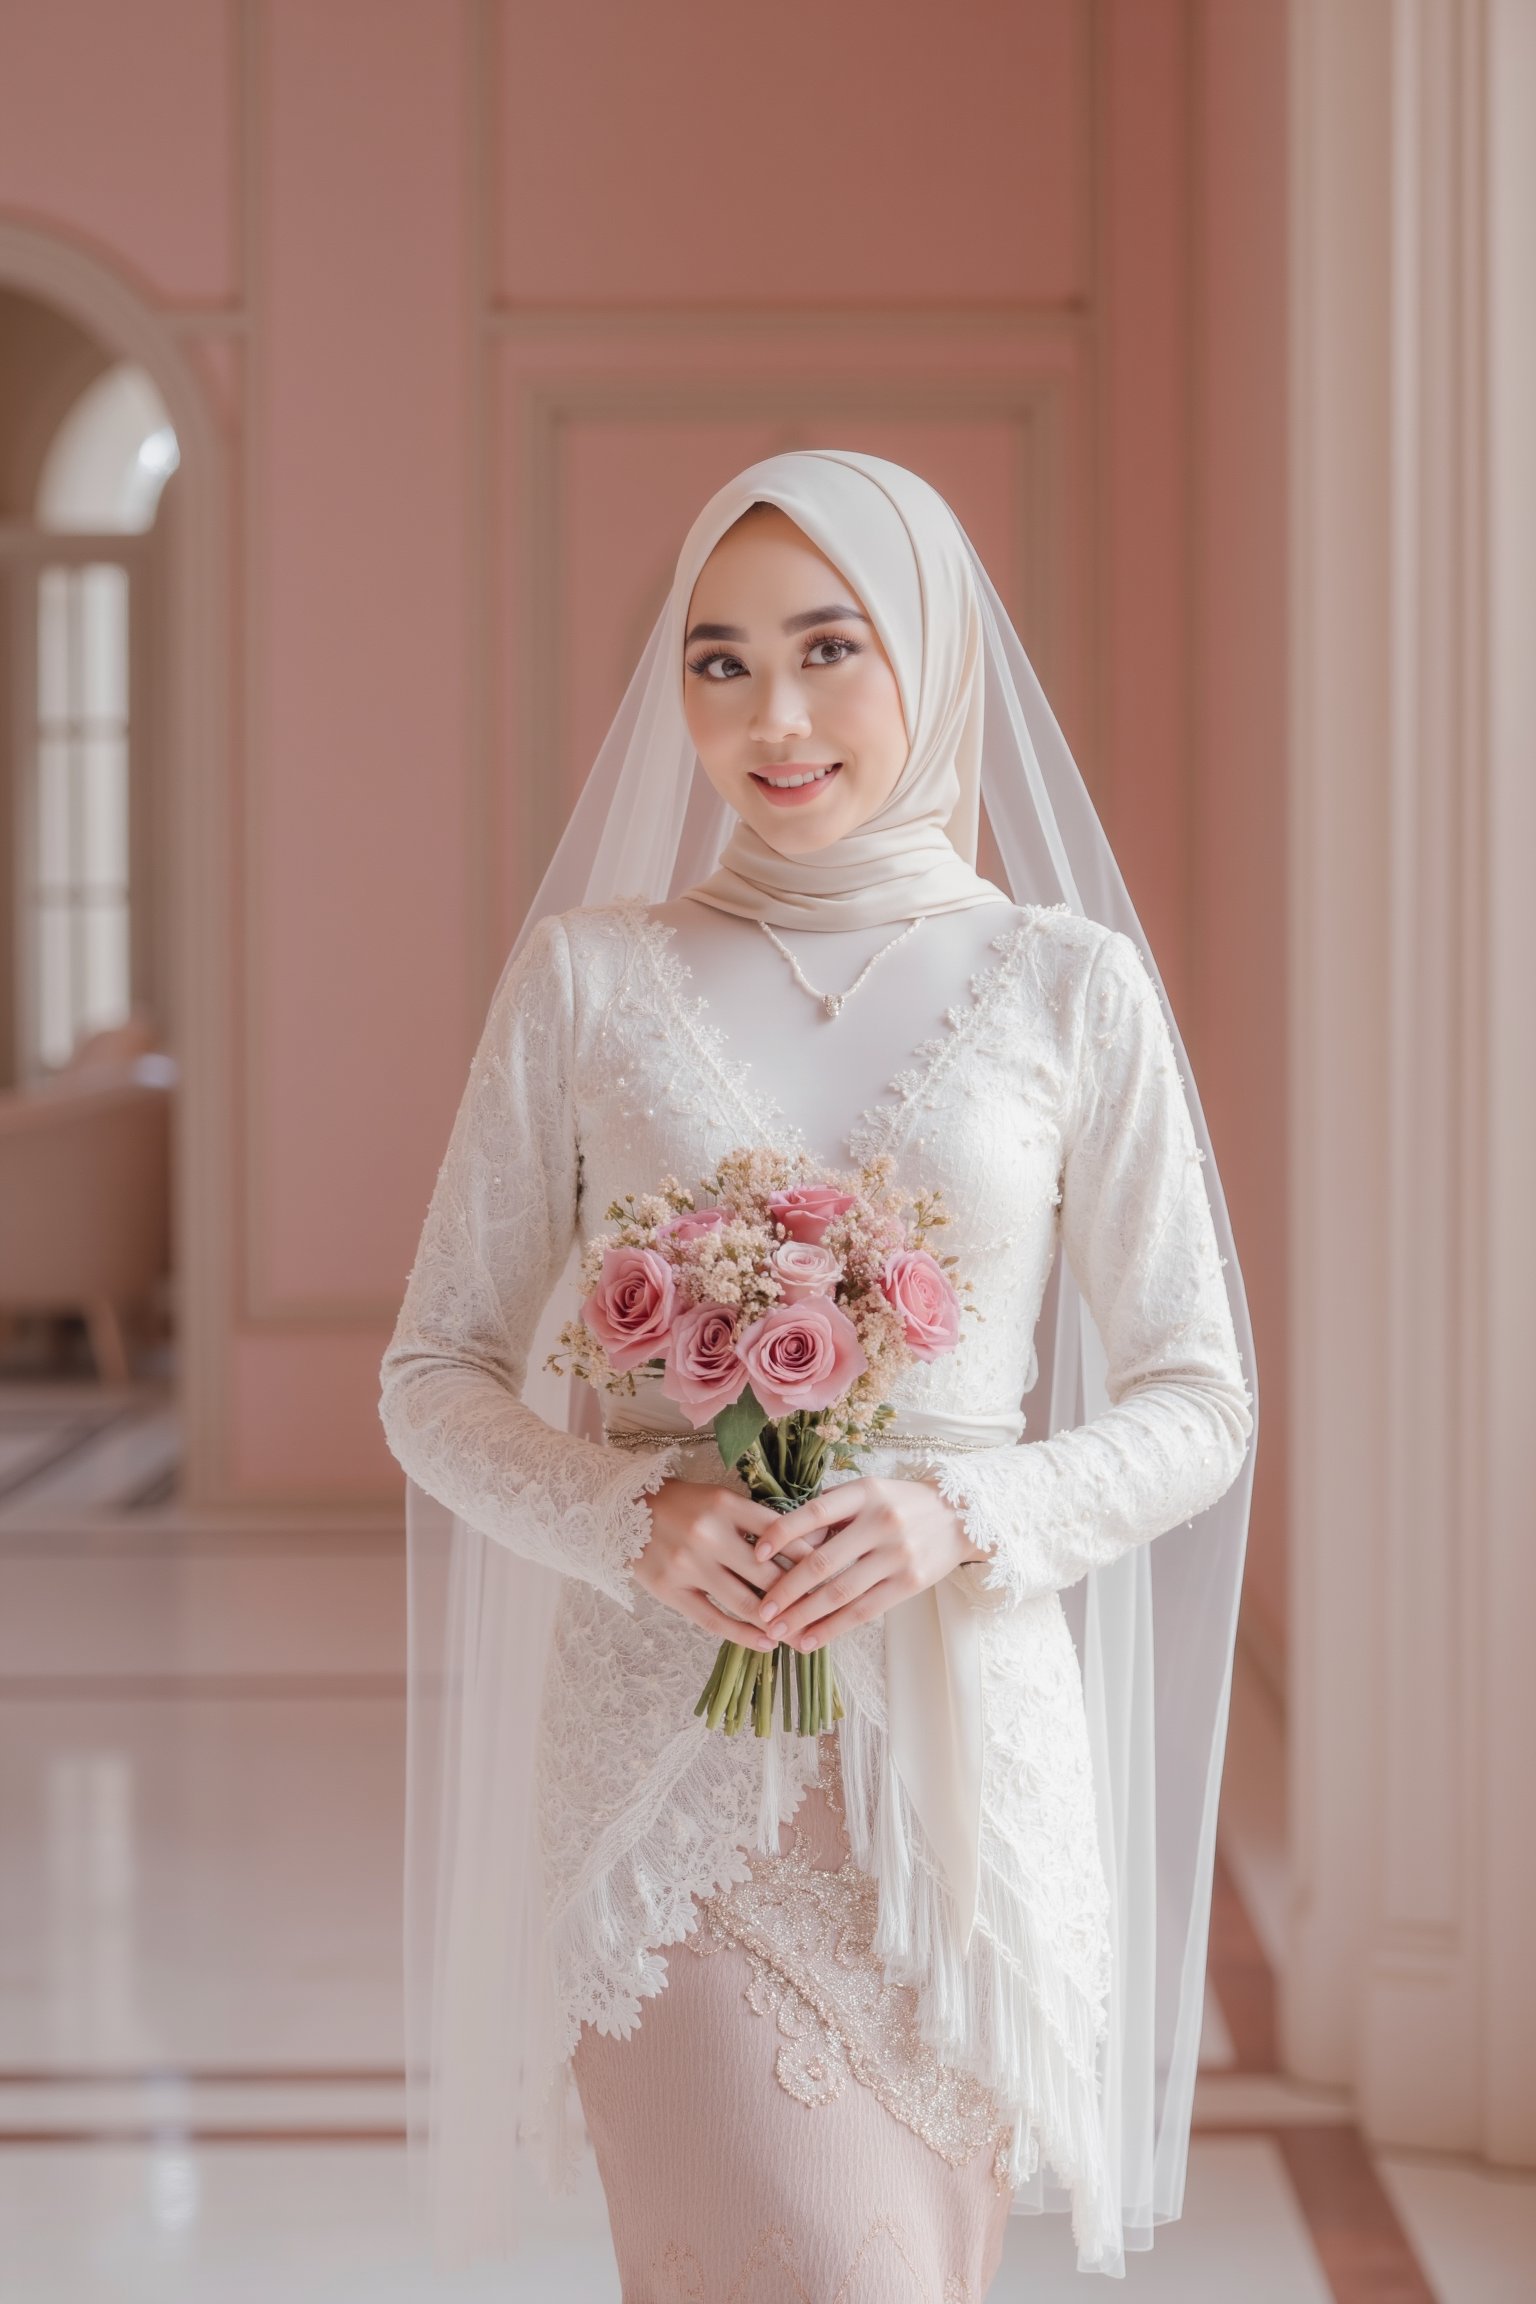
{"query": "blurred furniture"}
(85, 1198)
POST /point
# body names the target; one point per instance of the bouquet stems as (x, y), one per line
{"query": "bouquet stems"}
(783, 1468)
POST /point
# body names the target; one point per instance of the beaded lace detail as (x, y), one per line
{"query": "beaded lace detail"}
(760, 1113)
(808, 1935)
(877, 1128)
(920, 1084)
(1049, 1110)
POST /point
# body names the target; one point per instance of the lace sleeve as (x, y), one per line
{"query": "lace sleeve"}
(1138, 1234)
(498, 1230)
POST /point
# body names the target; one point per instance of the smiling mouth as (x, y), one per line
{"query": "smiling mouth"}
(795, 778)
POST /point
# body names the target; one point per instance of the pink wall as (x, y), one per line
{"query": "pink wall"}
(119, 128)
(488, 297)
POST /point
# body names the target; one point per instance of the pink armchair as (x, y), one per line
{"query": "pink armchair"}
(85, 1200)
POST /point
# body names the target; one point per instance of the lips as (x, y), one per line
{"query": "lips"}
(818, 775)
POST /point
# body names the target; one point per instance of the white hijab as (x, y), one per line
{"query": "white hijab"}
(898, 544)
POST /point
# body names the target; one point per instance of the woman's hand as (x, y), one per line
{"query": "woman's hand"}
(703, 1561)
(890, 1538)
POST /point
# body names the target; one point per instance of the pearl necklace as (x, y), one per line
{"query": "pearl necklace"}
(832, 1001)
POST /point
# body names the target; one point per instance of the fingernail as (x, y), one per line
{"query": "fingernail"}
(770, 1610)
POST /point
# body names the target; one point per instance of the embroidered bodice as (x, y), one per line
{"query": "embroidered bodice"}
(1040, 1092)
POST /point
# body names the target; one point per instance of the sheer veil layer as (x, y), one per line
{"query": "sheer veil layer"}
(1154, 1631)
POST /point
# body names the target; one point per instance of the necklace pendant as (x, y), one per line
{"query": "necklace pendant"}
(832, 1002)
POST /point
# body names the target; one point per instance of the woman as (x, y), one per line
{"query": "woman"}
(947, 1961)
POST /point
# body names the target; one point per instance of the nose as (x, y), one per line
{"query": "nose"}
(779, 709)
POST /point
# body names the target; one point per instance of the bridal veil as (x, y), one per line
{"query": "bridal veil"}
(1154, 1631)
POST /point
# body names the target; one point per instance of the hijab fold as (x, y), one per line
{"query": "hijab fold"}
(897, 544)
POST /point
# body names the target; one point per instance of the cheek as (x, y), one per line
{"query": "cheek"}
(874, 725)
(708, 713)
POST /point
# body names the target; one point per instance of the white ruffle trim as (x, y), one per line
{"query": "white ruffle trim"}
(708, 1799)
(1007, 2012)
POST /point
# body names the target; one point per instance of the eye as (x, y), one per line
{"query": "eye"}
(844, 648)
(712, 665)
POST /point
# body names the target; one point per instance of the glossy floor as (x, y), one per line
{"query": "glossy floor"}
(199, 2048)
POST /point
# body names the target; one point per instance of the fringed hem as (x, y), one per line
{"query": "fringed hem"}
(1024, 2030)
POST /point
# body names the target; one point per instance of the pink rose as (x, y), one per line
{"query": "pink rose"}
(802, 1355)
(805, 1210)
(691, 1223)
(630, 1309)
(804, 1268)
(705, 1371)
(918, 1287)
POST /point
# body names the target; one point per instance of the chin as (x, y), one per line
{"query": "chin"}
(800, 839)
(795, 832)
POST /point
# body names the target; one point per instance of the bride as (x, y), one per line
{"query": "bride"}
(831, 2007)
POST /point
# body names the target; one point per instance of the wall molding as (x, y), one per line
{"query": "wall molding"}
(1008, 317)
(102, 301)
(265, 1311)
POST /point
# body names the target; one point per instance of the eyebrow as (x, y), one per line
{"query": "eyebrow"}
(833, 615)
(839, 612)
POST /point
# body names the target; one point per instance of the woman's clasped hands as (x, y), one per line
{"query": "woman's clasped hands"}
(872, 1542)
(747, 1573)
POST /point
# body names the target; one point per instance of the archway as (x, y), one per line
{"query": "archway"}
(196, 732)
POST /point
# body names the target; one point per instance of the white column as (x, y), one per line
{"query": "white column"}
(1339, 741)
(1508, 1680)
(1412, 1071)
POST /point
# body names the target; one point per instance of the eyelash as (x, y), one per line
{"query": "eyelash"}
(701, 664)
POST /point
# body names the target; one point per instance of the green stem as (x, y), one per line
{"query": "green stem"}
(762, 1485)
(736, 1659)
(746, 1690)
(713, 1682)
(783, 1467)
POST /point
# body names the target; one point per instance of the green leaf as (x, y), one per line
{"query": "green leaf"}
(738, 1426)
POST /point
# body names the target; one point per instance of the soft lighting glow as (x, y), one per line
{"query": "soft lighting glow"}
(175, 2188)
(159, 454)
(110, 457)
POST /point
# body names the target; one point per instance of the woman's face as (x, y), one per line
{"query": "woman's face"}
(790, 698)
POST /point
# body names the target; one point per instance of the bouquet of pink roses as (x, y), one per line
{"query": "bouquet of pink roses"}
(777, 1300)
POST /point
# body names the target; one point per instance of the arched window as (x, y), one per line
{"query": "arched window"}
(84, 842)
(109, 459)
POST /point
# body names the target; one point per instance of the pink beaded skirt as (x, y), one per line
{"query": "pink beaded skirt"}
(776, 2131)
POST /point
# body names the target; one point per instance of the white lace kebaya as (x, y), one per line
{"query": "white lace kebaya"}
(1046, 1105)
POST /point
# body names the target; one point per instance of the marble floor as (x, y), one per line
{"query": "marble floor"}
(199, 2048)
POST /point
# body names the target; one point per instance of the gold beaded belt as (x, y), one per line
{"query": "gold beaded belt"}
(915, 1440)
